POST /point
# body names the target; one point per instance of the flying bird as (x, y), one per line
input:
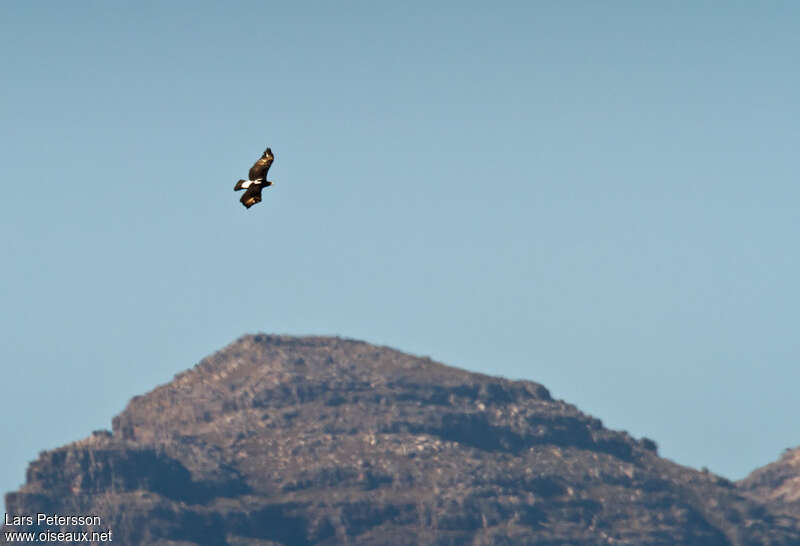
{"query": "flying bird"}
(257, 180)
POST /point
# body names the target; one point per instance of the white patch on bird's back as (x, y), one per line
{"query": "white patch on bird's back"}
(246, 183)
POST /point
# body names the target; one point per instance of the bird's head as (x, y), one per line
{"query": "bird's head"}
(267, 183)
(267, 152)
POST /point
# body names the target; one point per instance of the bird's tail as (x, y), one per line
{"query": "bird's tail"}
(240, 185)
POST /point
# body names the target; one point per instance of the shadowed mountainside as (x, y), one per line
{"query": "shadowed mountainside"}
(294, 441)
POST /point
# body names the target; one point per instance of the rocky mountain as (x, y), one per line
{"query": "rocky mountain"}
(280, 440)
(777, 484)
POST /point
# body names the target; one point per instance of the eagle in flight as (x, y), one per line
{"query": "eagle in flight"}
(257, 180)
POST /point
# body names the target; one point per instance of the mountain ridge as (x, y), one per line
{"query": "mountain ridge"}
(324, 440)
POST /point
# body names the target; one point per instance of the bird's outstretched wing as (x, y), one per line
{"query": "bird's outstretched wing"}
(251, 196)
(259, 169)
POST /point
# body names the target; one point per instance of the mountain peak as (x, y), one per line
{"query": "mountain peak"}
(322, 440)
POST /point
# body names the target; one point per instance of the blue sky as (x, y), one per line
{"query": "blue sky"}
(602, 199)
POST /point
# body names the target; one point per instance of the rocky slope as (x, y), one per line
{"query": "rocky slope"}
(294, 441)
(777, 484)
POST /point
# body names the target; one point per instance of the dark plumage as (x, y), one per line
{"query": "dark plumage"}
(257, 180)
